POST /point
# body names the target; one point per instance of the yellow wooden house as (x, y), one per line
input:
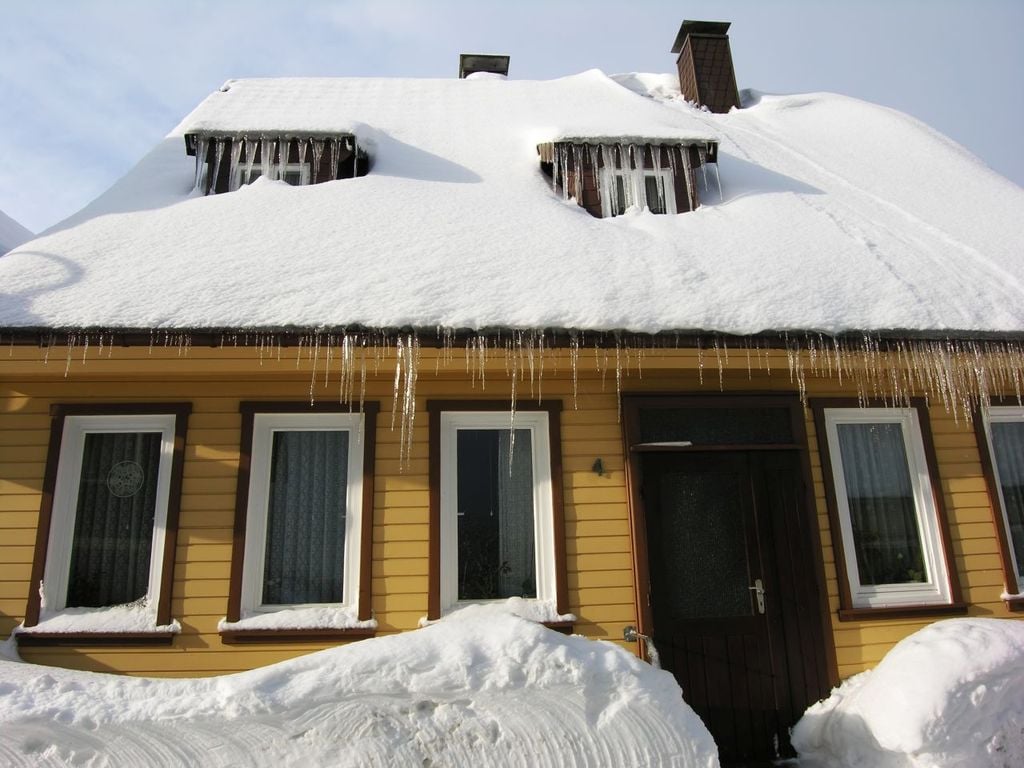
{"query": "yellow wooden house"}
(341, 356)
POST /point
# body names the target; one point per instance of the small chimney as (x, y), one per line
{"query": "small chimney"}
(706, 76)
(470, 63)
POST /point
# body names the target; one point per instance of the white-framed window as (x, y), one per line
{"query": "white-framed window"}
(497, 535)
(888, 516)
(650, 187)
(1004, 431)
(304, 515)
(109, 516)
(295, 174)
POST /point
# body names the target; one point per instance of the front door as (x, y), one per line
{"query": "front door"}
(731, 601)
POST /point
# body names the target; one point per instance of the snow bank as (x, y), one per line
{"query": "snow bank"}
(473, 690)
(950, 695)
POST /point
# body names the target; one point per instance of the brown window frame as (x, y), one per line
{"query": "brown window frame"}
(554, 410)
(988, 467)
(847, 610)
(249, 409)
(58, 414)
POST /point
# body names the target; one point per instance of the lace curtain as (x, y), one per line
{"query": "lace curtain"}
(110, 551)
(305, 547)
(881, 501)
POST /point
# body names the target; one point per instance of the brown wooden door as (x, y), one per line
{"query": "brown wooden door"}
(710, 520)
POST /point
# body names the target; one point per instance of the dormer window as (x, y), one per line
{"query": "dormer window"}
(225, 163)
(607, 178)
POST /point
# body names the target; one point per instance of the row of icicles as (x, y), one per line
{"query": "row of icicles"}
(630, 160)
(959, 375)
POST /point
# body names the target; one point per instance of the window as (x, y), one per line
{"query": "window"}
(1004, 438)
(305, 514)
(498, 520)
(110, 523)
(295, 174)
(883, 504)
(651, 188)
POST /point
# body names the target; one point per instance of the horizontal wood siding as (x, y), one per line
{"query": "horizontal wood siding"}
(599, 576)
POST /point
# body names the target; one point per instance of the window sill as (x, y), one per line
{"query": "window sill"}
(296, 635)
(903, 611)
(1015, 604)
(29, 639)
(565, 627)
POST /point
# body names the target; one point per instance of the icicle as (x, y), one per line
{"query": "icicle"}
(236, 155)
(702, 156)
(202, 149)
(284, 150)
(251, 145)
(656, 162)
(688, 174)
(218, 155)
(318, 153)
(574, 355)
(266, 157)
(334, 158)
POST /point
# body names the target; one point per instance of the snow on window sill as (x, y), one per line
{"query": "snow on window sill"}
(300, 618)
(540, 611)
(1014, 602)
(134, 618)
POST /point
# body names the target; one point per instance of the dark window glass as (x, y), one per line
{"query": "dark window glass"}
(716, 426)
(655, 190)
(305, 547)
(1008, 445)
(495, 514)
(113, 537)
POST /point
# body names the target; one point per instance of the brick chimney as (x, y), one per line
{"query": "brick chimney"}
(706, 75)
(470, 63)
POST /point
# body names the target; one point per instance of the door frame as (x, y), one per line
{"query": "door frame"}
(822, 656)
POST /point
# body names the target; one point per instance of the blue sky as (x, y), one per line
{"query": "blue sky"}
(87, 87)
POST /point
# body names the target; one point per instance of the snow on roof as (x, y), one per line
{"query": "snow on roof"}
(480, 690)
(11, 233)
(835, 215)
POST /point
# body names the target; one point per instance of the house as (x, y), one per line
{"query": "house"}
(340, 355)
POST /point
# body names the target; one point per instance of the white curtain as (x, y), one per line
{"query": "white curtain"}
(305, 548)
(881, 500)
(517, 576)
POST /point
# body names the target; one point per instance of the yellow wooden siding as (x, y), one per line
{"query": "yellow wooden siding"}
(599, 575)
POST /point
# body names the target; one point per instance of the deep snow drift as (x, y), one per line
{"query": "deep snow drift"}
(835, 215)
(477, 689)
(948, 696)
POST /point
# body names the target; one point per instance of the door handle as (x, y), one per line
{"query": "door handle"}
(758, 590)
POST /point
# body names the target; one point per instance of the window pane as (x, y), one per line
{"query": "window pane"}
(1008, 444)
(619, 196)
(305, 548)
(110, 551)
(655, 194)
(881, 500)
(495, 514)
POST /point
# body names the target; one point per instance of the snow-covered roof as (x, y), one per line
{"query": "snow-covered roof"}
(835, 215)
(11, 233)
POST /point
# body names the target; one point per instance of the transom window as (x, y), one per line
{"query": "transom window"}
(304, 516)
(1005, 436)
(887, 512)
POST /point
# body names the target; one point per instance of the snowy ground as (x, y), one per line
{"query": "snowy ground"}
(477, 690)
(483, 689)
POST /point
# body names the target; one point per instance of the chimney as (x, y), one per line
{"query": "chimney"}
(470, 63)
(706, 76)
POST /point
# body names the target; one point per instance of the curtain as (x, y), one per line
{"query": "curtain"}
(305, 538)
(515, 515)
(1008, 444)
(881, 500)
(113, 536)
